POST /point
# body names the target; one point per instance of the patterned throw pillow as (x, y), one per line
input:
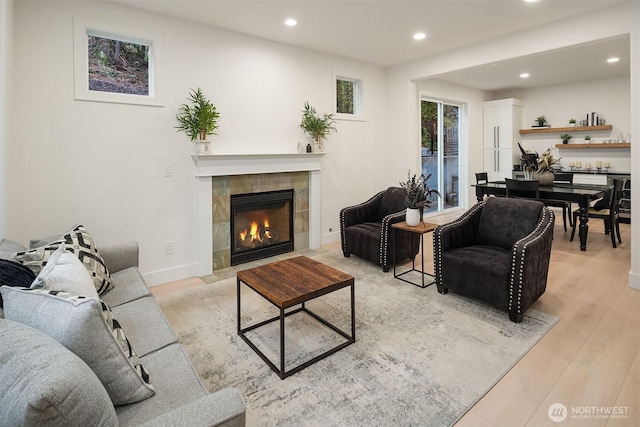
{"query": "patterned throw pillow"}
(87, 328)
(14, 274)
(81, 244)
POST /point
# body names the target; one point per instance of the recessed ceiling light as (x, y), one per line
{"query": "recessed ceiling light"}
(614, 59)
(524, 75)
(419, 36)
(290, 22)
(530, 1)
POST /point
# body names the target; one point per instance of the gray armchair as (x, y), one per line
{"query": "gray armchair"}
(498, 252)
(365, 229)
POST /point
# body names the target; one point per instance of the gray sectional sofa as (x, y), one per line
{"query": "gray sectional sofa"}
(180, 398)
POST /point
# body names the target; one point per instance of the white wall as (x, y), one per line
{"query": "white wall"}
(619, 19)
(103, 164)
(6, 28)
(558, 103)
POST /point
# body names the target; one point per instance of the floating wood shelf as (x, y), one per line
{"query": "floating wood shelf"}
(612, 145)
(566, 129)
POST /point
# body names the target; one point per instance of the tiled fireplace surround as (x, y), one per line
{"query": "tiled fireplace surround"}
(220, 176)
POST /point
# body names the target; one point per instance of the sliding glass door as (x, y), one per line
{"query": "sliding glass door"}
(440, 147)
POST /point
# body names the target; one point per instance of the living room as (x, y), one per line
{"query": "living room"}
(66, 161)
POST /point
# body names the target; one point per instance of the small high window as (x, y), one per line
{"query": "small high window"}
(345, 96)
(348, 95)
(118, 66)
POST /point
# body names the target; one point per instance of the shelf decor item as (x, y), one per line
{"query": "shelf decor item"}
(565, 137)
(572, 122)
(541, 122)
(198, 119)
(546, 163)
(317, 127)
(587, 139)
(418, 196)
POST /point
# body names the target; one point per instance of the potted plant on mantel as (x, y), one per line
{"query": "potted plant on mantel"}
(418, 196)
(198, 120)
(317, 127)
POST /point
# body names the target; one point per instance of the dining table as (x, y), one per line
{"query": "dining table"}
(581, 194)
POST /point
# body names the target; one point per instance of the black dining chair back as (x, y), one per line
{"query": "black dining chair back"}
(610, 215)
(528, 189)
(562, 178)
(482, 177)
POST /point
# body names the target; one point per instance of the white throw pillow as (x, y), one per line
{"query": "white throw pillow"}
(64, 272)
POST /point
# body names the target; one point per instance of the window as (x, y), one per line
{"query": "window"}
(113, 63)
(440, 148)
(348, 98)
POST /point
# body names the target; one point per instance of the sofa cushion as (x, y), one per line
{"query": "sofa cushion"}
(65, 272)
(86, 327)
(14, 274)
(128, 285)
(43, 383)
(9, 247)
(145, 324)
(78, 242)
(504, 221)
(176, 384)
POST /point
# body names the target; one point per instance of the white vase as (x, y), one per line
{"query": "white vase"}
(413, 217)
(203, 147)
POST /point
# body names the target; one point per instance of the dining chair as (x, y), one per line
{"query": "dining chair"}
(562, 178)
(610, 215)
(482, 177)
(528, 189)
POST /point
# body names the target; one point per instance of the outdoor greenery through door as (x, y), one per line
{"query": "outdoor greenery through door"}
(440, 131)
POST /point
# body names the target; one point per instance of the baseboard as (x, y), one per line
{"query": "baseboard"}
(160, 277)
(330, 238)
(634, 280)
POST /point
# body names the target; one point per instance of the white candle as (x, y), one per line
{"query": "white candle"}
(571, 164)
(598, 164)
(588, 166)
(578, 164)
(607, 164)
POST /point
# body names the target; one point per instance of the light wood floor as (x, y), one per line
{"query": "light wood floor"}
(589, 361)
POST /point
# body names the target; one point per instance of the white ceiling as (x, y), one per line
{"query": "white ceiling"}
(380, 32)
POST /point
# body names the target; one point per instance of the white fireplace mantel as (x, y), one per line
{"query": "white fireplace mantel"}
(208, 166)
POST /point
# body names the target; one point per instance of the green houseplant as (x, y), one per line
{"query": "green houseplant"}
(572, 122)
(587, 139)
(565, 137)
(418, 196)
(541, 120)
(199, 118)
(317, 127)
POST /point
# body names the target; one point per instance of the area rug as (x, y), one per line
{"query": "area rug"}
(420, 358)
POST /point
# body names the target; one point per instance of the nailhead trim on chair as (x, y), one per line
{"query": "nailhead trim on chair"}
(384, 235)
(343, 224)
(438, 240)
(547, 220)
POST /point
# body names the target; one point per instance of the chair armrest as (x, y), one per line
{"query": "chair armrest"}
(530, 264)
(222, 408)
(385, 235)
(358, 214)
(120, 257)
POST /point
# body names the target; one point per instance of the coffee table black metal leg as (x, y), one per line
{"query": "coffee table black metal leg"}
(239, 327)
(282, 374)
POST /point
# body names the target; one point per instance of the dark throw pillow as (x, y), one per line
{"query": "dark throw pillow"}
(15, 274)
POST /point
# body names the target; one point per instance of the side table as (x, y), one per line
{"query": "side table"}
(419, 230)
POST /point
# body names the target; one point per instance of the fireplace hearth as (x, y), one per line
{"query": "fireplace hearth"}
(261, 225)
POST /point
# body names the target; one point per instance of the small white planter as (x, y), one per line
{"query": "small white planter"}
(203, 147)
(413, 217)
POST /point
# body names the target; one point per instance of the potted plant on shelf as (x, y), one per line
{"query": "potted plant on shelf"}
(317, 127)
(198, 119)
(541, 120)
(418, 196)
(565, 137)
(546, 163)
(587, 139)
(572, 122)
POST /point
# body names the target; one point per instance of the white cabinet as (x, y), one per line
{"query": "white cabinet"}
(589, 178)
(502, 122)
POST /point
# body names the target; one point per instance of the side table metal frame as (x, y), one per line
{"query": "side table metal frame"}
(413, 261)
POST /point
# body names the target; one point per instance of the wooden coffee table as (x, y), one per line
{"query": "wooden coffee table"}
(289, 283)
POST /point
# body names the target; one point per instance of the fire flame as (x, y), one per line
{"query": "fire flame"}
(254, 232)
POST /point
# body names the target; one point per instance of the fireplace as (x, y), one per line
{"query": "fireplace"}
(261, 225)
